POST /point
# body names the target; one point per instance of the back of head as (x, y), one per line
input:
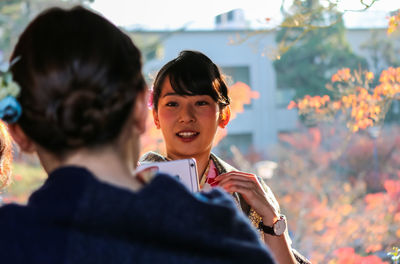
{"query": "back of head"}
(79, 77)
(192, 73)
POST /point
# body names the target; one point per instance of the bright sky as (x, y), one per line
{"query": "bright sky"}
(173, 14)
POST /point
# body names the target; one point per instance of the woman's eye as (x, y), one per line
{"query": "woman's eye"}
(202, 103)
(171, 104)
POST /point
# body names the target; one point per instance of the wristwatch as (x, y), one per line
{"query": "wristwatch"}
(277, 229)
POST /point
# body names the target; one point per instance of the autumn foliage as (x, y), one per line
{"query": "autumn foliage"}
(342, 201)
(394, 22)
(361, 103)
(350, 206)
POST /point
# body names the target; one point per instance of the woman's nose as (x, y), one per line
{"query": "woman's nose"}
(187, 114)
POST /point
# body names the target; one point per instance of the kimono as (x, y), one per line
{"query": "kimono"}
(253, 216)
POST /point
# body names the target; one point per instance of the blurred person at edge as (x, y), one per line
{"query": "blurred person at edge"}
(190, 101)
(5, 156)
(82, 107)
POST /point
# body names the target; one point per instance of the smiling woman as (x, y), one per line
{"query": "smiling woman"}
(190, 101)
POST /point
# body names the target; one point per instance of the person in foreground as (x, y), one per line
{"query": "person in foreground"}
(82, 106)
(190, 101)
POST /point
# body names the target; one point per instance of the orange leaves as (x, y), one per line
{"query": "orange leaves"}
(349, 256)
(393, 23)
(362, 103)
(315, 102)
(363, 109)
(240, 94)
(374, 200)
(318, 105)
(342, 75)
(292, 105)
(362, 106)
(336, 105)
(348, 100)
(369, 76)
(373, 248)
(345, 209)
(392, 187)
(391, 75)
(389, 83)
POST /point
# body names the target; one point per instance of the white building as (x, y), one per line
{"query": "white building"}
(246, 61)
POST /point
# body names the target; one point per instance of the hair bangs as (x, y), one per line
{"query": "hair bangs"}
(186, 81)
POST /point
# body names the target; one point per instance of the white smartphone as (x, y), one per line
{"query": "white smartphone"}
(185, 170)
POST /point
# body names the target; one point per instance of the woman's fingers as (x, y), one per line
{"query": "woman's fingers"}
(238, 184)
(250, 188)
(235, 173)
(244, 180)
(246, 190)
(236, 178)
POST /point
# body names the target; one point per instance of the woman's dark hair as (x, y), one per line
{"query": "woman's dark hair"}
(192, 73)
(79, 76)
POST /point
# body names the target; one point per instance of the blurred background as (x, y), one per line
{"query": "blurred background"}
(315, 87)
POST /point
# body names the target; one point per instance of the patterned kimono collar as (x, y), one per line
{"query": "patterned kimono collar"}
(207, 180)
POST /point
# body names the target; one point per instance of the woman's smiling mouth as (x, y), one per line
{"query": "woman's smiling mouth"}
(187, 134)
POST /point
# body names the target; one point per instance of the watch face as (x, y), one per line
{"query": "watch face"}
(280, 227)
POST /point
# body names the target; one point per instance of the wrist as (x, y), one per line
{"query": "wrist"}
(276, 229)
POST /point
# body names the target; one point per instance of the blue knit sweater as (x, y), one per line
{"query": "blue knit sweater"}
(74, 218)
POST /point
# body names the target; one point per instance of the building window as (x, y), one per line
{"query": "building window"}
(230, 16)
(242, 141)
(284, 96)
(218, 19)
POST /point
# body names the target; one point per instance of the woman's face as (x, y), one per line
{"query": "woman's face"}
(188, 123)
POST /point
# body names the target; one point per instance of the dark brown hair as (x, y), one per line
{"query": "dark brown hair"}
(192, 73)
(79, 76)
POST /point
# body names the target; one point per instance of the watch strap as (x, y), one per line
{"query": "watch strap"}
(266, 229)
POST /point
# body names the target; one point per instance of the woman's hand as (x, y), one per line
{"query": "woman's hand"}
(252, 191)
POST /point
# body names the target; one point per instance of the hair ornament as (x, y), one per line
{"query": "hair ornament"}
(10, 108)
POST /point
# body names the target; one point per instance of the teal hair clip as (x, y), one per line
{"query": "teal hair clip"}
(10, 108)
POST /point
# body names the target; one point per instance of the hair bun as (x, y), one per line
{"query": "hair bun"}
(79, 116)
